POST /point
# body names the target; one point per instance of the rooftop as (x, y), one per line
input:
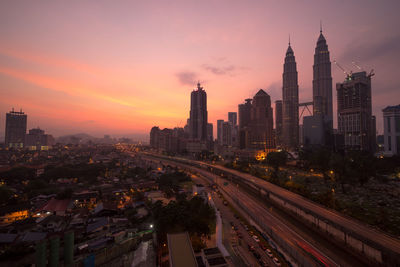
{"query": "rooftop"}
(57, 205)
(180, 250)
(392, 109)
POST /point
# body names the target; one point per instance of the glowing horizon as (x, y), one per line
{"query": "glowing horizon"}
(119, 69)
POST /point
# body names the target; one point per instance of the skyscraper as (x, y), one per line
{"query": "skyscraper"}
(219, 131)
(322, 84)
(290, 102)
(244, 121)
(210, 134)
(198, 114)
(278, 122)
(15, 129)
(232, 118)
(354, 106)
(261, 123)
(227, 133)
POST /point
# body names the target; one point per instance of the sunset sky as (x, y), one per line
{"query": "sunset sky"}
(121, 67)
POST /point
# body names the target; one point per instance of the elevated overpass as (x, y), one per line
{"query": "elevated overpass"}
(379, 248)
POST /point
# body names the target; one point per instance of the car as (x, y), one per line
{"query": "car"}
(251, 248)
(262, 247)
(256, 238)
(231, 223)
(246, 227)
(263, 263)
(269, 253)
(276, 261)
(239, 235)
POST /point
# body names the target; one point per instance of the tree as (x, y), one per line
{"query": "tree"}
(320, 161)
(275, 160)
(5, 194)
(363, 165)
(339, 165)
(194, 216)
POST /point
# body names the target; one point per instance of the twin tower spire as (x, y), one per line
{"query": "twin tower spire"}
(322, 91)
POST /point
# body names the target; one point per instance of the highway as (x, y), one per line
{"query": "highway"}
(239, 240)
(352, 225)
(348, 224)
(265, 217)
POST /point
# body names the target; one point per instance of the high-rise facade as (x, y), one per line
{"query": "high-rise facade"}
(227, 133)
(210, 134)
(219, 131)
(290, 102)
(260, 136)
(391, 125)
(244, 121)
(322, 84)
(278, 122)
(232, 118)
(16, 123)
(354, 108)
(198, 114)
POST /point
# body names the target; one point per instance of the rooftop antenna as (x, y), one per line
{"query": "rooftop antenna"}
(289, 39)
(320, 26)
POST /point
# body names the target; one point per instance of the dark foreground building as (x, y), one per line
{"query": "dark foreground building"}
(15, 129)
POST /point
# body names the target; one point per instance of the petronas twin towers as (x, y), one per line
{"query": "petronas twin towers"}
(322, 93)
(290, 101)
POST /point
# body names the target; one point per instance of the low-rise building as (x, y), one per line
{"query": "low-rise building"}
(391, 125)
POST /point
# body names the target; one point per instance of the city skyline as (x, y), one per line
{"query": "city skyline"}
(72, 81)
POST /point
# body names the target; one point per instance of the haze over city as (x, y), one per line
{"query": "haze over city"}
(104, 68)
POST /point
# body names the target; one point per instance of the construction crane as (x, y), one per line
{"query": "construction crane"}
(348, 74)
(357, 66)
(371, 73)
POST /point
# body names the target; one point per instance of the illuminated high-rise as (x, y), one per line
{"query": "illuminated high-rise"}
(322, 83)
(198, 114)
(15, 129)
(290, 102)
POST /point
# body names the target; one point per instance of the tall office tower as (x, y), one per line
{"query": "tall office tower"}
(219, 131)
(278, 122)
(154, 137)
(391, 125)
(290, 102)
(322, 84)
(244, 121)
(232, 118)
(354, 108)
(198, 114)
(261, 123)
(210, 135)
(15, 129)
(227, 134)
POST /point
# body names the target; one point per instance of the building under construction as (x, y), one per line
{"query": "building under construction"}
(354, 106)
